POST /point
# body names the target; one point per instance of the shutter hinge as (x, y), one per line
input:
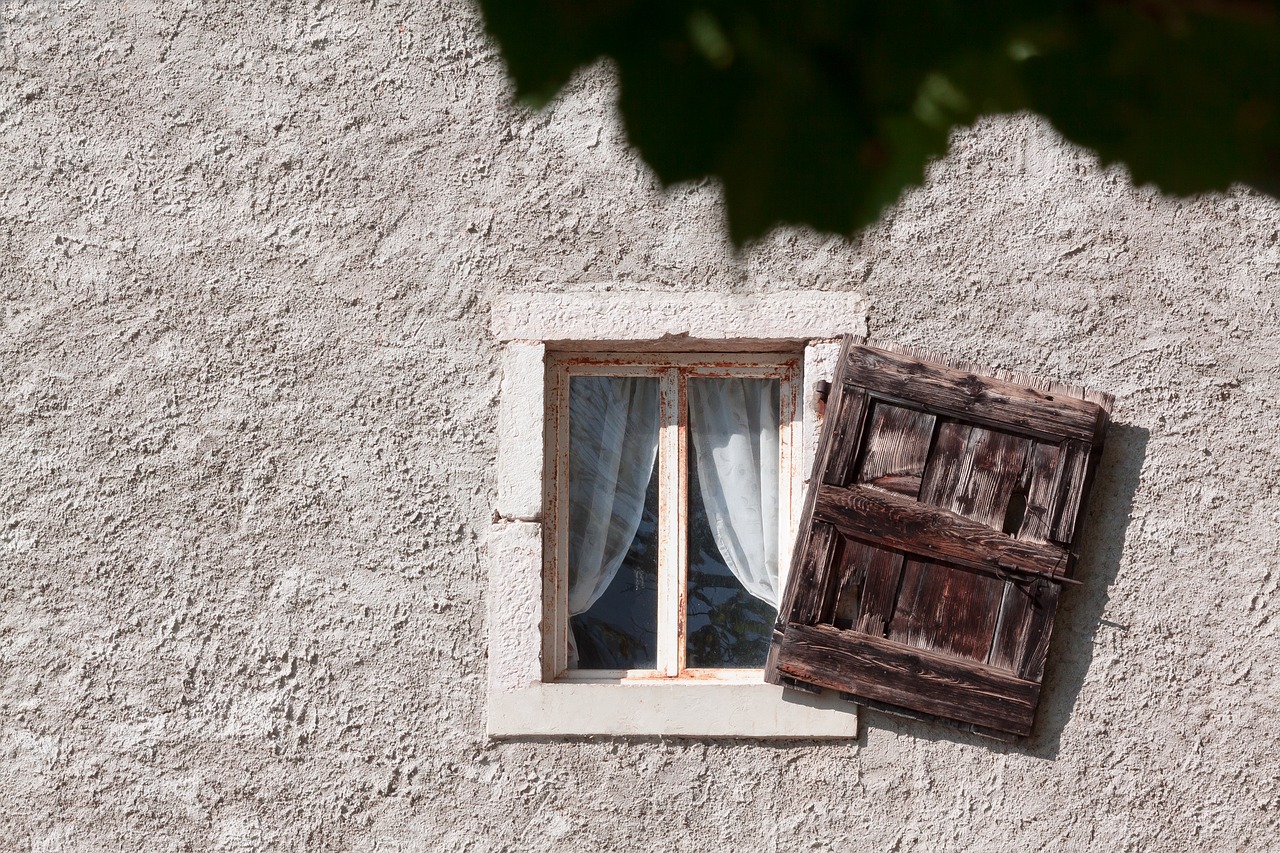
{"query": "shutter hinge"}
(821, 391)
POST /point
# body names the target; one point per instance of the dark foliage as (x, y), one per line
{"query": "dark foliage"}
(823, 111)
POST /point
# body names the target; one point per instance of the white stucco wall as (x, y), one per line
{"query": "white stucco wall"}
(247, 450)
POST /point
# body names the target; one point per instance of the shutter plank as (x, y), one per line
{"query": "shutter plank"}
(1026, 624)
(967, 395)
(1039, 631)
(896, 449)
(890, 521)
(855, 557)
(814, 591)
(946, 466)
(879, 591)
(926, 681)
(968, 619)
(947, 609)
(1043, 482)
(979, 485)
(846, 435)
(924, 586)
(973, 473)
(1074, 463)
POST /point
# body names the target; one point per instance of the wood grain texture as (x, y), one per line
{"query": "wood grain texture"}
(972, 473)
(978, 483)
(1074, 461)
(972, 397)
(1026, 624)
(851, 573)
(885, 671)
(945, 469)
(890, 521)
(816, 584)
(1042, 476)
(947, 609)
(879, 590)
(895, 449)
(1026, 380)
(920, 597)
(846, 428)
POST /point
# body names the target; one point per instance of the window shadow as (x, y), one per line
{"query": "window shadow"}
(1080, 609)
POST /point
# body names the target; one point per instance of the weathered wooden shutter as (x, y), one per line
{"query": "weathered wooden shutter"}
(939, 528)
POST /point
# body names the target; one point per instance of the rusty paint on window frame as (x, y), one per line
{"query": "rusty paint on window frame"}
(673, 371)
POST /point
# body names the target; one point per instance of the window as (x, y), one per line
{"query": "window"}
(787, 338)
(673, 492)
(936, 532)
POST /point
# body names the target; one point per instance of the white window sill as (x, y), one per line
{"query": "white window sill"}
(688, 709)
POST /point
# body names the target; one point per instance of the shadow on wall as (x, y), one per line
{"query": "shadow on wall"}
(1080, 612)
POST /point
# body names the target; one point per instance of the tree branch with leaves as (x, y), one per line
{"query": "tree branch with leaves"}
(822, 112)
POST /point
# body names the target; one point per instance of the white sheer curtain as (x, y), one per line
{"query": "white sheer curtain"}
(613, 441)
(734, 423)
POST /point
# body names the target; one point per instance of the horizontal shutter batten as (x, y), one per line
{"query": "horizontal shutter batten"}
(938, 389)
(891, 521)
(886, 671)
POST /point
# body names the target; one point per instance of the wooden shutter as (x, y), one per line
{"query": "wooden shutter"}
(938, 531)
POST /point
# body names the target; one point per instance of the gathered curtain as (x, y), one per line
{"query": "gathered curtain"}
(613, 441)
(734, 425)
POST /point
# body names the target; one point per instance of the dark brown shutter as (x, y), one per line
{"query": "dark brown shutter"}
(938, 531)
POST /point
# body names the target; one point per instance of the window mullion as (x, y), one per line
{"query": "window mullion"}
(670, 527)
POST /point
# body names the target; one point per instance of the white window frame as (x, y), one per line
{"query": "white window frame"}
(672, 370)
(526, 694)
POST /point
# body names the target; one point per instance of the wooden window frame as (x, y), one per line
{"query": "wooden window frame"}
(673, 371)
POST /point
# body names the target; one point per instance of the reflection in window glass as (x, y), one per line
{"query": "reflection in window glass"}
(620, 631)
(733, 521)
(613, 522)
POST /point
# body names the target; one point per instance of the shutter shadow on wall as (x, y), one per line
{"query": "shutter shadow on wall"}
(938, 531)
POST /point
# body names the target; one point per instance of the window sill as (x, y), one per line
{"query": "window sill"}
(642, 676)
(681, 708)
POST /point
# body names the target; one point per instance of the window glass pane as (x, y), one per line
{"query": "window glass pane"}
(733, 521)
(613, 522)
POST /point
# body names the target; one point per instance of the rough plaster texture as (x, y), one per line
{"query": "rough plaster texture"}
(246, 426)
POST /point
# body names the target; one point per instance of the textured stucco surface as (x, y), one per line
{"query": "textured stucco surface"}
(247, 396)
